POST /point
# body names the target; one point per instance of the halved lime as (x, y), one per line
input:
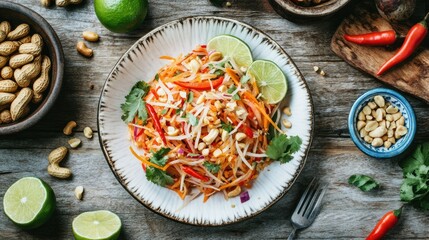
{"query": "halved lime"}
(97, 225)
(29, 202)
(270, 79)
(232, 47)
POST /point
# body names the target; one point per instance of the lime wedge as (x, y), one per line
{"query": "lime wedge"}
(97, 225)
(232, 47)
(29, 202)
(270, 79)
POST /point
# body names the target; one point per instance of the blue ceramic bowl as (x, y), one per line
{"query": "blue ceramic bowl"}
(397, 100)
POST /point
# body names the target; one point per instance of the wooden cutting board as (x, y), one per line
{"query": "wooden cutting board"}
(412, 76)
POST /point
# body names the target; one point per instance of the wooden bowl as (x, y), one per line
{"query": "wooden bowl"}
(296, 13)
(16, 14)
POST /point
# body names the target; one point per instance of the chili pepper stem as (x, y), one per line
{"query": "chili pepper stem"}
(398, 212)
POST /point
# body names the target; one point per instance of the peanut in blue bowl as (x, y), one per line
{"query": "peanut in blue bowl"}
(396, 100)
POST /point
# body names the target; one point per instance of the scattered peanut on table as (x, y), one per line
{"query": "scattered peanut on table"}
(54, 158)
(23, 67)
(380, 123)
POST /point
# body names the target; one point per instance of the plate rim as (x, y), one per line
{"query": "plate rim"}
(295, 175)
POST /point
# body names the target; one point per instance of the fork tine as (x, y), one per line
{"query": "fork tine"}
(318, 204)
(303, 197)
(312, 201)
(309, 201)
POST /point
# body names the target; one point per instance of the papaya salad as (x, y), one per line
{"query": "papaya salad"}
(202, 125)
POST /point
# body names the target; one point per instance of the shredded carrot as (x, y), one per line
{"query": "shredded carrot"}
(233, 76)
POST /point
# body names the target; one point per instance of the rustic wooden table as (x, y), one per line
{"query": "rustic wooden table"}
(347, 213)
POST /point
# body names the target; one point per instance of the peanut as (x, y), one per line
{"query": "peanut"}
(68, 129)
(37, 98)
(28, 72)
(5, 116)
(6, 72)
(19, 32)
(37, 39)
(87, 132)
(286, 123)
(378, 132)
(287, 111)
(377, 142)
(2, 36)
(6, 98)
(8, 47)
(5, 27)
(379, 100)
(234, 192)
(74, 142)
(3, 61)
(83, 50)
(78, 192)
(17, 108)
(30, 48)
(23, 40)
(46, 3)
(42, 82)
(64, 3)
(90, 36)
(54, 158)
(20, 60)
(8, 86)
(216, 56)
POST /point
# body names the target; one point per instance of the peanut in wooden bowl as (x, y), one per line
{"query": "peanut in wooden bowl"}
(296, 13)
(17, 14)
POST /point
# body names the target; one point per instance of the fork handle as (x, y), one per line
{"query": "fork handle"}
(292, 234)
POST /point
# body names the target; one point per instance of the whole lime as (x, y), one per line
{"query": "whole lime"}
(121, 16)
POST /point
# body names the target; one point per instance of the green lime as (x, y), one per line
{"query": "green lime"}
(97, 225)
(121, 15)
(232, 47)
(29, 202)
(270, 79)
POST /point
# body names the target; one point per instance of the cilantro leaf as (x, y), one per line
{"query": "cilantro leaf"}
(178, 111)
(164, 111)
(212, 167)
(157, 77)
(219, 72)
(159, 157)
(282, 147)
(363, 182)
(226, 126)
(231, 90)
(415, 186)
(418, 158)
(134, 104)
(190, 97)
(158, 176)
(192, 119)
(244, 79)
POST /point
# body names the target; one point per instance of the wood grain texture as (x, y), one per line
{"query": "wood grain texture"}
(347, 213)
(411, 76)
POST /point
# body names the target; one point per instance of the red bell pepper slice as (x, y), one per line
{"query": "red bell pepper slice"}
(144, 167)
(247, 130)
(156, 122)
(194, 174)
(205, 85)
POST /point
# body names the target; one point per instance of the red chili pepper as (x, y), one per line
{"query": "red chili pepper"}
(205, 85)
(385, 224)
(156, 122)
(251, 115)
(144, 167)
(413, 39)
(374, 38)
(154, 93)
(194, 174)
(247, 130)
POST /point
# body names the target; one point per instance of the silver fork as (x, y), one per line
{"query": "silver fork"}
(308, 207)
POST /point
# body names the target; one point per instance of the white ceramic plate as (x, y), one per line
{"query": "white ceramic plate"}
(141, 62)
